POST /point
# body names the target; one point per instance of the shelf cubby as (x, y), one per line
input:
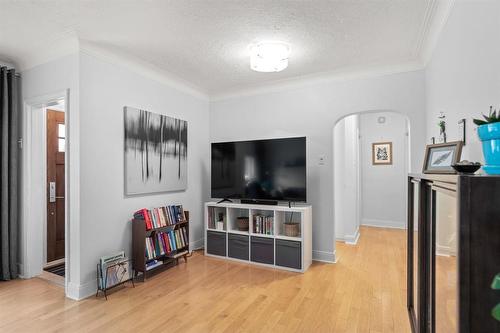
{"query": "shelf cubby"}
(233, 215)
(289, 224)
(217, 218)
(262, 222)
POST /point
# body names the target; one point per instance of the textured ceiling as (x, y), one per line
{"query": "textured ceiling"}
(206, 42)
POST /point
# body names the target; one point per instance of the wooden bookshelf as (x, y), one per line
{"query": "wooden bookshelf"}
(139, 235)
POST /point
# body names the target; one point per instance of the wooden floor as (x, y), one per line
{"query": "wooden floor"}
(363, 292)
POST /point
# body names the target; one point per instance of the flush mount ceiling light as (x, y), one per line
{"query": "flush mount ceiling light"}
(269, 56)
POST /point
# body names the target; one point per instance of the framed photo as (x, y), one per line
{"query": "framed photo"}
(439, 158)
(382, 153)
(155, 152)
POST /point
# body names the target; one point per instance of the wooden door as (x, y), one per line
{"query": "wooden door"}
(56, 147)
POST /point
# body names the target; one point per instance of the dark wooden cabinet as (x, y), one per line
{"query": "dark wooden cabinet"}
(449, 273)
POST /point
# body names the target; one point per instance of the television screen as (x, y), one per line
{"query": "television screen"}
(263, 169)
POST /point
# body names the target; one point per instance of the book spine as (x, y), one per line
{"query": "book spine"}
(148, 219)
(176, 217)
(184, 232)
(162, 223)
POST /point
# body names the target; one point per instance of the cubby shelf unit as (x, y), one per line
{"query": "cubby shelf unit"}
(266, 242)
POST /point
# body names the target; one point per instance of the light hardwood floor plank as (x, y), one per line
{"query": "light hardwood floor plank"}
(364, 292)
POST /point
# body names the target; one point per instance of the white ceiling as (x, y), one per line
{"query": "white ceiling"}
(206, 42)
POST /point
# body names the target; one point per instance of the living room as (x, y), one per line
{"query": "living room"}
(284, 148)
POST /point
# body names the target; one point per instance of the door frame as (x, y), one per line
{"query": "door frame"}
(34, 198)
(45, 230)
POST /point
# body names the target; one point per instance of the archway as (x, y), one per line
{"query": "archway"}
(365, 192)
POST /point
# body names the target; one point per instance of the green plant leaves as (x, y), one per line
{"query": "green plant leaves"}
(495, 285)
(479, 122)
(493, 117)
(496, 312)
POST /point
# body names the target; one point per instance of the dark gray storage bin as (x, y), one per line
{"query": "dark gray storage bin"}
(288, 254)
(216, 243)
(237, 246)
(262, 250)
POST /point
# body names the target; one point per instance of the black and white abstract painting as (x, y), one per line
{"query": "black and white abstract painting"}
(155, 152)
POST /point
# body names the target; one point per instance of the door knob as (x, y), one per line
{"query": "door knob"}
(52, 213)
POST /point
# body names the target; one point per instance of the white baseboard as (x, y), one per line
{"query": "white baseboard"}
(197, 244)
(20, 271)
(324, 256)
(352, 239)
(383, 223)
(79, 292)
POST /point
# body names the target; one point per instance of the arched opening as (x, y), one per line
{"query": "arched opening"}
(371, 160)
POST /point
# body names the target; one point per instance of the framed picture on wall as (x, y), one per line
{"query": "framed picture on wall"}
(155, 152)
(439, 158)
(382, 153)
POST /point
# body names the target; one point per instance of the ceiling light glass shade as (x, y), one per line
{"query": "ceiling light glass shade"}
(269, 56)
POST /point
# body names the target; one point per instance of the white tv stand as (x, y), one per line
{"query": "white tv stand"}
(271, 247)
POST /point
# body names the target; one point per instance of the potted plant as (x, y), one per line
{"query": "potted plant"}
(489, 134)
(495, 285)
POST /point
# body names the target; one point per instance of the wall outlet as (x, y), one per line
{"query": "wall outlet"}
(321, 160)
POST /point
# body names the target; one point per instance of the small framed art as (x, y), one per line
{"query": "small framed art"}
(439, 158)
(382, 153)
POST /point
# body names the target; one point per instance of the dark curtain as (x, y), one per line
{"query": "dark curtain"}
(9, 177)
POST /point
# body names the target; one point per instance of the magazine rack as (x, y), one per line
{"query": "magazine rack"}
(111, 271)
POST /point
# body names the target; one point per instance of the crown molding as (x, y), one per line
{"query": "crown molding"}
(46, 51)
(7, 63)
(347, 74)
(142, 67)
(66, 43)
(436, 17)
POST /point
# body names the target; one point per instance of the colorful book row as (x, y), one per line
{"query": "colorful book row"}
(153, 264)
(263, 224)
(164, 243)
(161, 216)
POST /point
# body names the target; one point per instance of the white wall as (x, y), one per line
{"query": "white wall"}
(384, 186)
(312, 110)
(463, 76)
(48, 79)
(105, 88)
(347, 172)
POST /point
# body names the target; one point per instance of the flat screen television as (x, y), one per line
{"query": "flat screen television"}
(272, 170)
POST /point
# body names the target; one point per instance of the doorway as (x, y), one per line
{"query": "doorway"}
(55, 193)
(45, 201)
(367, 191)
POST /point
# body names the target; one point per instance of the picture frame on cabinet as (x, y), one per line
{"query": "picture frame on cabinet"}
(440, 157)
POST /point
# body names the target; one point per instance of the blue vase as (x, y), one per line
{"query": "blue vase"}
(490, 138)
